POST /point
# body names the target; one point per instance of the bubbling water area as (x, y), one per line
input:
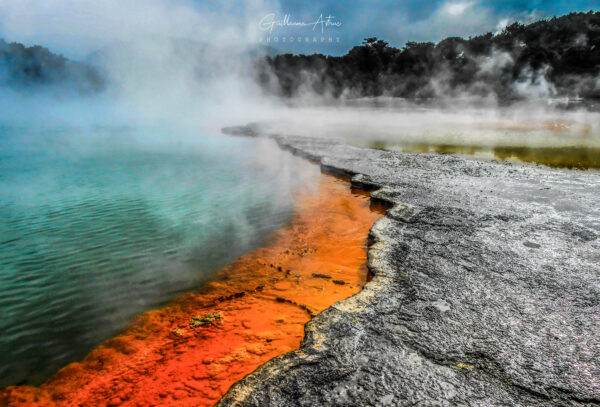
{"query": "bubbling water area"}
(191, 351)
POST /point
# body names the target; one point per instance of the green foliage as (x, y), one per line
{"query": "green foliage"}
(565, 50)
(22, 66)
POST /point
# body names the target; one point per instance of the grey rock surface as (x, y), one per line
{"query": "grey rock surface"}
(486, 290)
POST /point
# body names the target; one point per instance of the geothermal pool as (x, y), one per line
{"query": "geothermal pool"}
(192, 350)
(100, 224)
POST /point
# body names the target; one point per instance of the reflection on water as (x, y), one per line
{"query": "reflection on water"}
(97, 228)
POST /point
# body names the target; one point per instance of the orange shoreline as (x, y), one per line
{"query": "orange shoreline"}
(190, 352)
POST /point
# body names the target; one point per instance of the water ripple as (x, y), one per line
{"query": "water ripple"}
(89, 240)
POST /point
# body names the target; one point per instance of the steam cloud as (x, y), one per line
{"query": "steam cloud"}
(162, 60)
(177, 61)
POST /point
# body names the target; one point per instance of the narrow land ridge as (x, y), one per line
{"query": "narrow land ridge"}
(486, 289)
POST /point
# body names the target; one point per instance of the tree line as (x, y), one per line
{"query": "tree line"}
(559, 56)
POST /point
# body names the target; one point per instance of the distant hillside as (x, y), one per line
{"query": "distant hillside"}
(36, 67)
(549, 58)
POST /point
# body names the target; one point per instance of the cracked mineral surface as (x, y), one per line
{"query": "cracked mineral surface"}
(486, 289)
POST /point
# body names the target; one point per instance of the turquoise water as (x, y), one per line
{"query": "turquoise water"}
(98, 225)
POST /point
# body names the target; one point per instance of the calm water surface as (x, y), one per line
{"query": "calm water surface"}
(99, 225)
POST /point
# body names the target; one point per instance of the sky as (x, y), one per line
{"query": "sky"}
(76, 28)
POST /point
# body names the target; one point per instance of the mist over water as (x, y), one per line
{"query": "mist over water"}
(533, 131)
(99, 226)
(115, 202)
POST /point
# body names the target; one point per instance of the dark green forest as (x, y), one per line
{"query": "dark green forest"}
(559, 56)
(35, 67)
(549, 58)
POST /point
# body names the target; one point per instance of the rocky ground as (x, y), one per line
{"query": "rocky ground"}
(486, 290)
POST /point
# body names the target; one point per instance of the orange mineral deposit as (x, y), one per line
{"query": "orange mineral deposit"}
(190, 352)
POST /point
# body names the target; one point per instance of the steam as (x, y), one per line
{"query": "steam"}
(400, 124)
(164, 61)
(192, 64)
(78, 27)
